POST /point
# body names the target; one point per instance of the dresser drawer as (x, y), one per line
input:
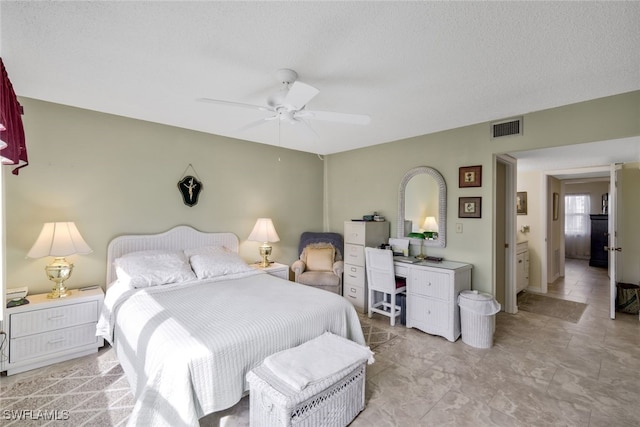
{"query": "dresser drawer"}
(354, 275)
(356, 295)
(354, 254)
(355, 232)
(428, 315)
(429, 283)
(50, 319)
(34, 346)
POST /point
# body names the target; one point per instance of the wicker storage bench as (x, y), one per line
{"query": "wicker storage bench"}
(333, 401)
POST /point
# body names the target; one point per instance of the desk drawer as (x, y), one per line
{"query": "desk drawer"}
(428, 315)
(34, 346)
(50, 319)
(354, 254)
(354, 275)
(429, 283)
(401, 270)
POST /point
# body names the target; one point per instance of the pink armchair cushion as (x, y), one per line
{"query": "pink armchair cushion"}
(319, 278)
(320, 259)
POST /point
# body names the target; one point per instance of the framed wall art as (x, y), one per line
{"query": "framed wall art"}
(470, 176)
(521, 202)
(469, 207)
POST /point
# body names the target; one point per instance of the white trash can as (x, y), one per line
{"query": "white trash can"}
(477, 320)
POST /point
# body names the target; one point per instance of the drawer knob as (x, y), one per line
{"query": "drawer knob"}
(56, 341)
(61, 316)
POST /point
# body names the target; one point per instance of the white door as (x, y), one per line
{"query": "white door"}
(613, 243)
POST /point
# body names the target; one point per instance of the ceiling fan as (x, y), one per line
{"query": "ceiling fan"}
(289, 105)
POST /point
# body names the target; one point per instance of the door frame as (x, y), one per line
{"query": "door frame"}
(511, 176)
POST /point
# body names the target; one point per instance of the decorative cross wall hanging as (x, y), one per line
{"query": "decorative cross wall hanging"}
(190, 187)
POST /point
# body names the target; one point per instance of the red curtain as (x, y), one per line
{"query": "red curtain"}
(11, 129)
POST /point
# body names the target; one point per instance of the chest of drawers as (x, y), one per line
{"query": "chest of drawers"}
(357, 235)
(48, 331)
(432, 295)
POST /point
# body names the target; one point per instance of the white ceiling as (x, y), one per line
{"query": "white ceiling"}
(414, 67)
(580, 161)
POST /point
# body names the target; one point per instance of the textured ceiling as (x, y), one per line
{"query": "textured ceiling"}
(414, 67)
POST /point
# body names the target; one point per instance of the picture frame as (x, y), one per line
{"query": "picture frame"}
(469, 207)
(556, 205)
(521, 202)
(470, 176)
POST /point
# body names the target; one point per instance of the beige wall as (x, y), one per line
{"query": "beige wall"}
(555, 230)
(532, 182)
(113, 175)
(628, 214)
(366, 180)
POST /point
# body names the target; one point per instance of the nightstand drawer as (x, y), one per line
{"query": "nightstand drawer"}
(51, 319)
(34, 346)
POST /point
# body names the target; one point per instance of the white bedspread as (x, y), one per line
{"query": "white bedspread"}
(186, 349)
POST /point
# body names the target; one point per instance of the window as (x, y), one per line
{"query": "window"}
(577, 226)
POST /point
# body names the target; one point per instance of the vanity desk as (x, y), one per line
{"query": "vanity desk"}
(432, 294)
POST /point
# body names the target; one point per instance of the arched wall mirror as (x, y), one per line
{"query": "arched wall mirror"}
(423, 195)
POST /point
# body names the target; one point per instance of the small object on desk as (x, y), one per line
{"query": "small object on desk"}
(15, 293)
(17, 301)
(434, 258)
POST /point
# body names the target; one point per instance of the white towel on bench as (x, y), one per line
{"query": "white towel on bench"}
(317, 359)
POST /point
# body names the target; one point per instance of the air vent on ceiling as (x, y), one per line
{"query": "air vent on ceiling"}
(506, 128)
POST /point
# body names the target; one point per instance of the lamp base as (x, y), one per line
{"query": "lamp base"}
(265, 251)
(59, 291)
(59, 271)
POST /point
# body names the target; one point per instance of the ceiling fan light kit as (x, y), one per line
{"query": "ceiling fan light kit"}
(289, 105)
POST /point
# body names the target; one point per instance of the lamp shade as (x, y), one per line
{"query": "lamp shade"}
(430, 224)
(59, 239)
(264, 231)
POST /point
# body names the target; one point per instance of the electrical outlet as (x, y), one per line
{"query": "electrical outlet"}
(458, 227)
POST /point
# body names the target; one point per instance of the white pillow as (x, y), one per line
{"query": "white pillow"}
(205, 250)
(152, 268)
(215, 261)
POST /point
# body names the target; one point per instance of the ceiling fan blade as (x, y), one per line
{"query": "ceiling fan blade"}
(235, 104)
(300, 94)
(304, 129)
(254, 124)
(328, 116)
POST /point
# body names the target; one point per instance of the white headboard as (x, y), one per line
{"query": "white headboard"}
(178, 238)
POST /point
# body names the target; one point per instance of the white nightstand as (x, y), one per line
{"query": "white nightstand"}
(48, 331)
(275, 269)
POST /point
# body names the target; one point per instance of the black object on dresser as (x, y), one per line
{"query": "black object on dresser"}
(599, 240)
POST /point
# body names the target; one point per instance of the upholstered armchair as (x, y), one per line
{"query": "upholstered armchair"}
(320, 264)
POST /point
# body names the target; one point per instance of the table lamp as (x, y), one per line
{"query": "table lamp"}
(59, 239)
(421, 237)
(264, 232)
(430, 228)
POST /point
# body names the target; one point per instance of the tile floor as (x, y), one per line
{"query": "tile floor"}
(541, 371)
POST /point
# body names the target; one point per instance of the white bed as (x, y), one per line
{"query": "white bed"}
(186, 348)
